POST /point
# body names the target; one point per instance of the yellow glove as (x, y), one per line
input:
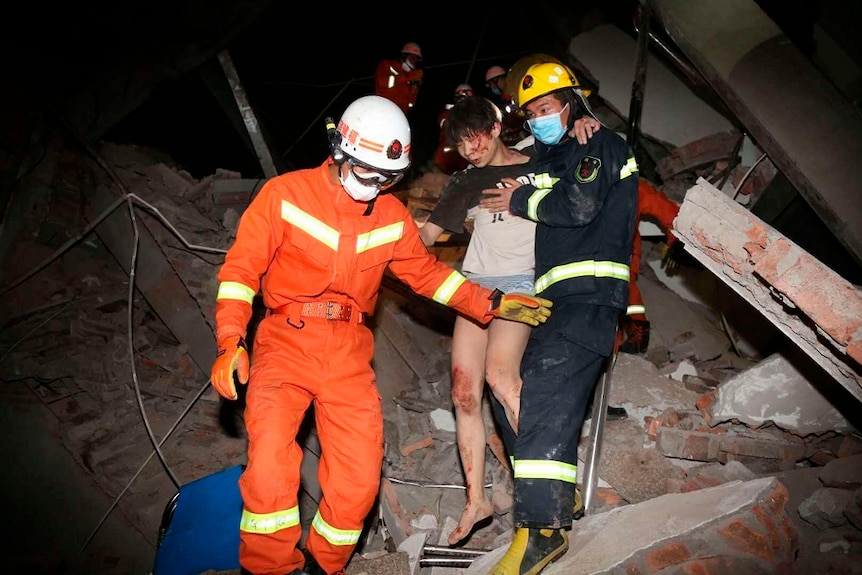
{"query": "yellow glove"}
(521, 307)
(232, 357)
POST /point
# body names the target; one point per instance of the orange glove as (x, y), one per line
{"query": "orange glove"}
(520, 307)
(232, 357)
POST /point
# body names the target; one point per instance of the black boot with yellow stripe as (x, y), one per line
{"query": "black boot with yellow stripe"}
(532, 550)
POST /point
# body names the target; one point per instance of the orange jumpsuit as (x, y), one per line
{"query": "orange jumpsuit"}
(318, 259)
(662, 210)
(391, 81)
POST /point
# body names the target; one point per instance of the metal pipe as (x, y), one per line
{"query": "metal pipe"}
(594, 448)
(454, 552)
(445, 561)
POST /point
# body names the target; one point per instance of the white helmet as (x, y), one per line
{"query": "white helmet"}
(375, 132)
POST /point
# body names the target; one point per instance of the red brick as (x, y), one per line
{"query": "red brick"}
(742, 537)
(710, 566)
(670, 554)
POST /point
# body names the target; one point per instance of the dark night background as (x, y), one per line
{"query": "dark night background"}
(298, 64)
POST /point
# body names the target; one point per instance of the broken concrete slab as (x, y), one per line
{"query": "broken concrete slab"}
(780, 391)
(645, 393)
(817, 309)
(737, 527)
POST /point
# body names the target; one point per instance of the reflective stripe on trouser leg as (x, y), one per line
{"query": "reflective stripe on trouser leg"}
(558, 378)
(349, 422)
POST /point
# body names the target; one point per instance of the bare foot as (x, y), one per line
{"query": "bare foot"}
(474, 512)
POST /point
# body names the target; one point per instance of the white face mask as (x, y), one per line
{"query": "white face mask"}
(354, 188)
(407, 65)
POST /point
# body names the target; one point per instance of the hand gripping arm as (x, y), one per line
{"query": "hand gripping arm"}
(521, 307)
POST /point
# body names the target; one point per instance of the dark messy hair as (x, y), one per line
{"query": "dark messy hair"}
(469, 116)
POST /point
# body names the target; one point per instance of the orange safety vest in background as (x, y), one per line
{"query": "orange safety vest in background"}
(310, 250)
(391, 81)
(662, 210)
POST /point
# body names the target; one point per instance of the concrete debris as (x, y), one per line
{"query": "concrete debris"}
(693, 471)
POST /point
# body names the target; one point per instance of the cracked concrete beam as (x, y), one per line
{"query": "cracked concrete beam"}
(812, 305)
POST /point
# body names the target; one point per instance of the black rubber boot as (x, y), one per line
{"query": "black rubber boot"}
(531, 551)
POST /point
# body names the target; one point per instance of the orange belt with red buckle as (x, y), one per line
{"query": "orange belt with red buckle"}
(330, 310)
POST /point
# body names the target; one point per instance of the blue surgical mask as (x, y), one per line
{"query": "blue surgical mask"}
(495, 90)
(548, 129)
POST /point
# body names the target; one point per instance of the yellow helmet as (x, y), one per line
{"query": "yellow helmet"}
(545, 77)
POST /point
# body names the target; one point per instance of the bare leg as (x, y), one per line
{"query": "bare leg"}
(468, 383)
(507, 341)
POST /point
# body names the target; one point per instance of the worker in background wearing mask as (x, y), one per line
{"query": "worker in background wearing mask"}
(400, 79)
(513, 121)
(315, 244)
(584, 203)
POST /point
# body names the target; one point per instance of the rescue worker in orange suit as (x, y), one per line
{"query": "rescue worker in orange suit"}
(446, 157)
(400, 79)
(655, 206)
(584, 202)
(513, 120)
(315, 244)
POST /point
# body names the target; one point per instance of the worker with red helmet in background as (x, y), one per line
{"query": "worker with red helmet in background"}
(400, 79)
(513, 121)
(315, 244)
(446, 157)
(655, 206)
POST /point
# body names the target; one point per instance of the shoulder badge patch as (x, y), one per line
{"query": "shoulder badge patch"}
(588, 169)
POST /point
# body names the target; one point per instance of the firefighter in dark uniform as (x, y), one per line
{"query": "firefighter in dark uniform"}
(584, 200)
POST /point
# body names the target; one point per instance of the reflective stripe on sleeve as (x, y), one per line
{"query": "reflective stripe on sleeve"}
(334, 535)
(310, 225)
(235, 290)
(635, 309)
(533, 203)
(268, 522)
(629, 168)
(379, 237)
(580, 269)
(449, 287)
(541, 469)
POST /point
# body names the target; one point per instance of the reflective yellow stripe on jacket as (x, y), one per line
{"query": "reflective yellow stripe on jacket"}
(235, 290)
(450, 286)
(325, 234)
(604, 269)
